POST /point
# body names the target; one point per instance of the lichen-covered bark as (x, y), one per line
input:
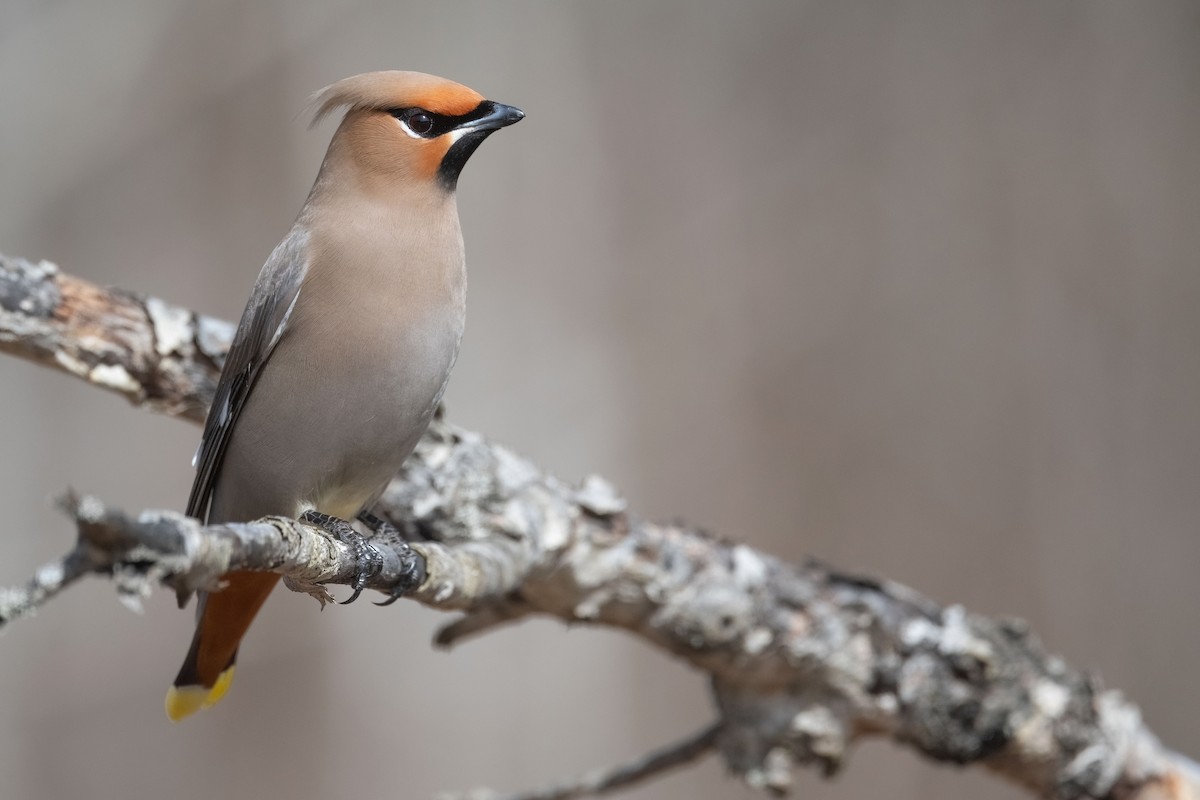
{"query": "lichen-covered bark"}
(157, 355)
(803, 659)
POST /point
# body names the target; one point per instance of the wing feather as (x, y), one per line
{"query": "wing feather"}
(263, 324)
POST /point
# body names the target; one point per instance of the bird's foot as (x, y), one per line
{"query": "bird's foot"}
(368, 560)
(412, 564)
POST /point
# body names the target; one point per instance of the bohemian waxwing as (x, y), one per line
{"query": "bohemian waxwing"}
(346, 343)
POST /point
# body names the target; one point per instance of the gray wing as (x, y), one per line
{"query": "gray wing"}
(263, 324)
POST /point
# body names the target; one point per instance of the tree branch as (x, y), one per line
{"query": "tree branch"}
(803, 660)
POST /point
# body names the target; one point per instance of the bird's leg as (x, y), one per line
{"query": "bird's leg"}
(412, 565)
(368, 560)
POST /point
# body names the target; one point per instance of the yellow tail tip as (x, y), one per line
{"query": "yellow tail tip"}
(218, 691)
(183, 701)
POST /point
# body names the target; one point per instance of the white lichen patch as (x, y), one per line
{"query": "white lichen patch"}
(657, 591)
(516, 519)
(1050, 698)
(749, 570)
(756, 641)
(714, 614)
(133, 587)
(425, 504)
(1094, 769)
(807, 650)
(555, 531)
(774, 774)
(155, 516)
(89, 508)
(597, 567)
(851, 665)
(823, 734)
(918, 632)
(114, 376)
(434, 454)
(213, 335)
(89, 343)
(14, 602)
(172, 327)
(589, 608)
(1116, 714)
(513, 472)
(445, 590)
(50, 576)
(959, 639)
(71, 364)
(599, 497)
(914, 678)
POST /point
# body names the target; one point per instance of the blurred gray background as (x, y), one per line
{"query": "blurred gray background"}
(912, 287)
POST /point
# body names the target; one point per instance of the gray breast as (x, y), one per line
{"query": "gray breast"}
(345, 397)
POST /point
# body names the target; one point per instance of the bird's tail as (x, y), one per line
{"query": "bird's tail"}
(223, 619)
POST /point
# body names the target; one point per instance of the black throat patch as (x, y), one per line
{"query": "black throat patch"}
(456, 157)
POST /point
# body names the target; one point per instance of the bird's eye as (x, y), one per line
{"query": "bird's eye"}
(420, 123)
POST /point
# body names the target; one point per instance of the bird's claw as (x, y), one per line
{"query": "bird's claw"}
(412, 573)
(368, 561)
(412, 563)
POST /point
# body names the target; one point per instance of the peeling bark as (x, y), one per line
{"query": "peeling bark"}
(157, 355)
(803, 660)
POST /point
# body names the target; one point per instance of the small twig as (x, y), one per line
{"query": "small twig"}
(55, 576)
(603, 781)
(47, 581)
(482, 620)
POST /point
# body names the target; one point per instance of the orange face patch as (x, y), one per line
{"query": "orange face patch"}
(431, 156)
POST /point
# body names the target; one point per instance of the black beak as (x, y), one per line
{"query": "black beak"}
(471, 132)
(495, 116)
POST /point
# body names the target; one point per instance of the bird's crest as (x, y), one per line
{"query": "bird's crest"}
(394, 89)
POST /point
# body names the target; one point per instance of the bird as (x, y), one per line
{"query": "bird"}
(345, 346)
